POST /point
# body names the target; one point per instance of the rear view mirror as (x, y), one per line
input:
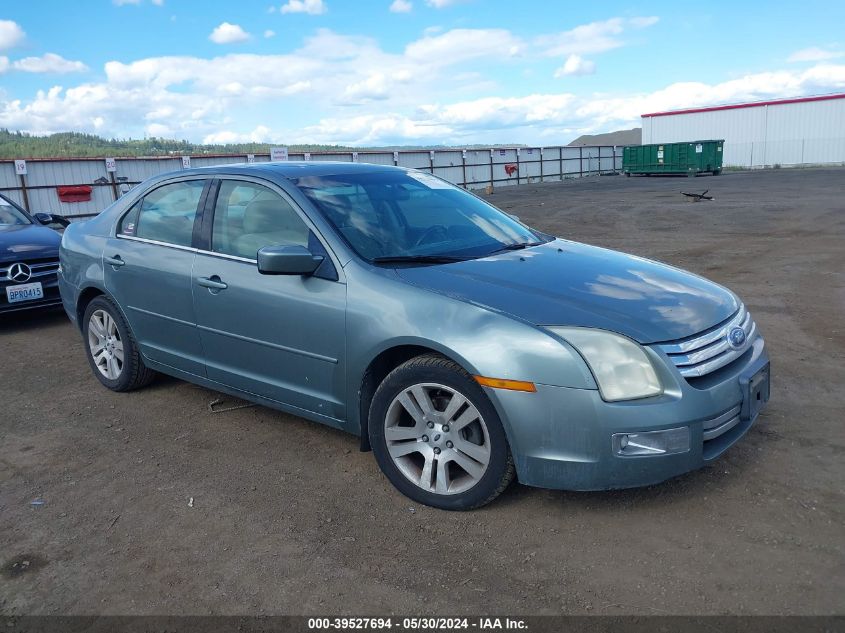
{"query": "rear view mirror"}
(287, 260)
(51, 218)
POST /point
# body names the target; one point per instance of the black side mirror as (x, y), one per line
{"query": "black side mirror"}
(287, 260)
(51, 218)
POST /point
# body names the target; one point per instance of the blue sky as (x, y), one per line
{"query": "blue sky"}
(377, 72)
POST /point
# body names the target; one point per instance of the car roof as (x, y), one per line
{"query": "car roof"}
(290, 169)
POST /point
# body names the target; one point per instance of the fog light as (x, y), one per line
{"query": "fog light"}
(652, 442)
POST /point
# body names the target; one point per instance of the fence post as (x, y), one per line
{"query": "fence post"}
(580, 161)
(113, 185)
(24, 193)
(541, 165)
(431, 161)
(517, 166)
(464, 166)
(560, 160)
(491, 167)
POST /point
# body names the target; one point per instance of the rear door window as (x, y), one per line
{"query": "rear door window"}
(167, 214)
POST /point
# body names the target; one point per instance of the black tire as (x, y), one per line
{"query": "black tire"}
(133, 373)
(437, 369)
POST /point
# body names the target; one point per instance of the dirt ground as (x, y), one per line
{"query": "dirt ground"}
(153, 505)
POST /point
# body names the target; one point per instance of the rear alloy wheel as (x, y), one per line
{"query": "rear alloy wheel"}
(105, 345)
(111, 348)
(437, 437)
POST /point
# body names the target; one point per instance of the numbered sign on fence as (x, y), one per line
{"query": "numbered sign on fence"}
(20, 167)
(250, 158)
(354, 157)
(278, 153)
(395, 158)
(186, 162)
(306, 156)
(111, 165)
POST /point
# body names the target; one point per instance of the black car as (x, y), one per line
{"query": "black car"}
(29, 258)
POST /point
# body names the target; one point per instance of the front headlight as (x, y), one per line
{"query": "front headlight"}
(621, 367)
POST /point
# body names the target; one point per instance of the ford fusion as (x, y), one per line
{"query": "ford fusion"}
(463, 347)
(29, 258)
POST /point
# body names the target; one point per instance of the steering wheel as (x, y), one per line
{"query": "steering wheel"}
(437, 231)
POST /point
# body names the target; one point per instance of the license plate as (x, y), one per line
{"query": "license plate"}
(756, 393)
(24, 292)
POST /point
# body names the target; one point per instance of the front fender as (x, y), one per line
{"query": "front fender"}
(384, 312)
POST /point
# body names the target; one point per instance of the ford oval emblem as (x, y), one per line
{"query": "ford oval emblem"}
(736, 337)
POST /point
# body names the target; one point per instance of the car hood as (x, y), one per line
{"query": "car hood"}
(28, 241)
(567, 283)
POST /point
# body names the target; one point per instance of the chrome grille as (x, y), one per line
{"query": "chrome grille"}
(704, 353)
(38, 269)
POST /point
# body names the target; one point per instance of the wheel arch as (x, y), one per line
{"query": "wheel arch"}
(85, 297)
(384, 362)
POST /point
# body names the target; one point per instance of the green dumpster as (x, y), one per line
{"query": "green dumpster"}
(694, 157)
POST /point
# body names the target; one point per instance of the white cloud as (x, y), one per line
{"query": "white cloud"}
(401, 6)
(11, 34)
(576, 65)
(269, 33)
(261, 134)
(227, 33)
(596, 37)
(347, 89)
(459, 45)
(311, 7)
(440, 4)
(4, 65)
(815, 54)
(48, 63)
(374, 88)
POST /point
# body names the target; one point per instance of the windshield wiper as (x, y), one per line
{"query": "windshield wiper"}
(419, 259)
(518, 246)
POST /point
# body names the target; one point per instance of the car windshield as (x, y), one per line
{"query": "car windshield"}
(410, 215)
(10, 216)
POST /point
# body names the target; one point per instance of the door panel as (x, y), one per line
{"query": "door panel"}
(279, 336)
(152, 281)
(153, 286)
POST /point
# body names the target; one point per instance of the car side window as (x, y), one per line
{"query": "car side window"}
(129, 221)
(248, 217)
(167, 214)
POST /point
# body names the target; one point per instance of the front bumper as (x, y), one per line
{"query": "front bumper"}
(561, 437)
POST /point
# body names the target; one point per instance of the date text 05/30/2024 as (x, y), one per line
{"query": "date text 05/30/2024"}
(415, 624)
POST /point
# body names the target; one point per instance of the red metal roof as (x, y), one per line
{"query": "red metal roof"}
(755, 104)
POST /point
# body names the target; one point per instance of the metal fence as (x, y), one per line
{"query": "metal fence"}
(37, 189)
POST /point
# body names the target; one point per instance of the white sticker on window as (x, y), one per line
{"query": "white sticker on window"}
(428, 180)
(698, 148)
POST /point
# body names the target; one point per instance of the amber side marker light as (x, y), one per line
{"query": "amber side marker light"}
(501, 383)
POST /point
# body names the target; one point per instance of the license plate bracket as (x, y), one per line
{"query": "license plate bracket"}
(755, 392)
(24, 292)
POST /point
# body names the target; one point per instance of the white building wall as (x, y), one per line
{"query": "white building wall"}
(808, 132)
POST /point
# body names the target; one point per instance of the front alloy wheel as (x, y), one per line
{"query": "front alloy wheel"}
(437, 436)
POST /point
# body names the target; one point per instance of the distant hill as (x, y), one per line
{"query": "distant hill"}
(619, 137)
(79, 145)
(76, 144)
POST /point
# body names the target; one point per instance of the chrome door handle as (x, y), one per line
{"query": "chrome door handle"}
(212, 282)
(117, 260)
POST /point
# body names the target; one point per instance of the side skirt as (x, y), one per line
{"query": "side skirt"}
(247, 395)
